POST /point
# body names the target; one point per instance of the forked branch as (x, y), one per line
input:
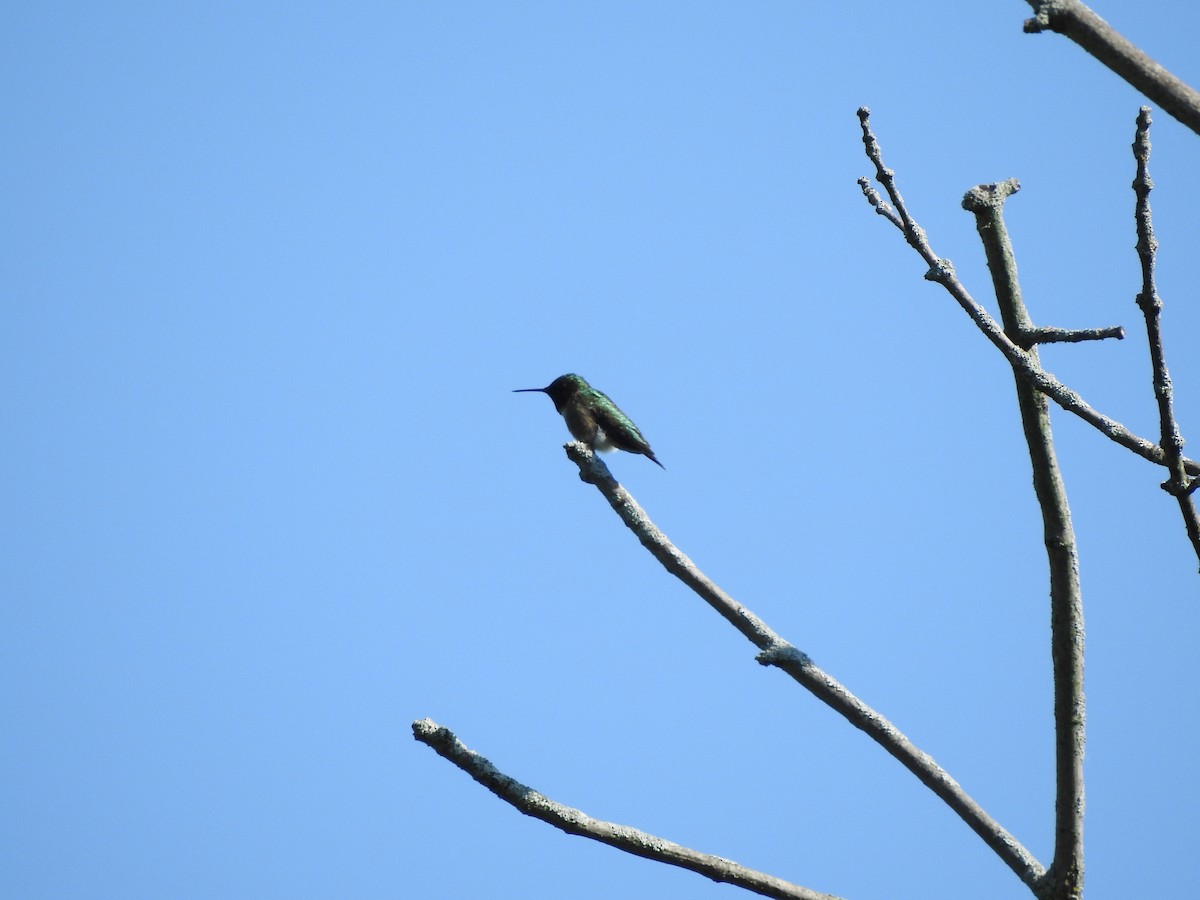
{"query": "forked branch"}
(942, 272)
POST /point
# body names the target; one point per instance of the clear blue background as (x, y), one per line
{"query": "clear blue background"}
(269, 273)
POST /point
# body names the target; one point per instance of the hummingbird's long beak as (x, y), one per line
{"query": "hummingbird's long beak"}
(530, 390)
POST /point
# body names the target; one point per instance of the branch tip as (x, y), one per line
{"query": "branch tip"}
(989, 195)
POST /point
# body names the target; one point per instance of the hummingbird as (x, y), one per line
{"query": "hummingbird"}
(593, 418)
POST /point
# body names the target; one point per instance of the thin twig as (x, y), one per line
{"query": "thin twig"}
(881, 206)
(778, 652)
(1044, 334)
(574, 821)
(1065, 876)
(1079, 23)
(1178, 485)
(942, 272)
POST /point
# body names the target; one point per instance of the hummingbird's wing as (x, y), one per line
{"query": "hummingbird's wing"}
(620, 431)
(619, 428)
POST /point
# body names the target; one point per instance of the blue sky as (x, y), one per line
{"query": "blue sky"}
(270, 272)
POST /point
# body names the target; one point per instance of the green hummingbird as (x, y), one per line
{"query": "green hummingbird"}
(593, 418)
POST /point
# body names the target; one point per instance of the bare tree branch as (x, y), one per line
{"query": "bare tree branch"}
(1079, 23)
(574, 821)
(1049, 335)
(1178, 485)
(1065, 876)
(942, 272)
(778, 652)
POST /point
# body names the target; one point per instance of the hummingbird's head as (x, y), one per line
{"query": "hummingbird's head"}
(561, 389)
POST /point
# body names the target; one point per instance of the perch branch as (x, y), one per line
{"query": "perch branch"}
(574, 821)
(778, 652)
